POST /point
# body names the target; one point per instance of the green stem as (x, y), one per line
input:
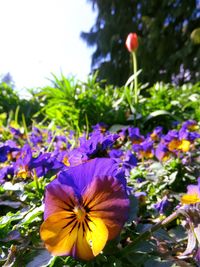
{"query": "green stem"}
(25, 127)
(36, 181)
(51, 142)
(145, 235)
(135, 80)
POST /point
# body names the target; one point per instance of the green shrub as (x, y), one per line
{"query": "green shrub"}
(10, 103)
(74, 104)
(79, 105)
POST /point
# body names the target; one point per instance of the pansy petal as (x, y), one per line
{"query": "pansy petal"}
(83, 174)
(185, 145)
(97, 236)
(59, 233)
(82, 248)
(106, 199)
(58, 197)
(190, 199)
(193, 190)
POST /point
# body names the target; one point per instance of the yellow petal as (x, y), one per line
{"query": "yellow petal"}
(174, 144)
(97, 235)
(82, 248)
(185, 145)
(59, 238)
(190, 199)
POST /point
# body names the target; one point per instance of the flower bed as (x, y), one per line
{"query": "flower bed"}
(99, 199)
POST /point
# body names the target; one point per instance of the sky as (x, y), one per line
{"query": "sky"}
(40, 37)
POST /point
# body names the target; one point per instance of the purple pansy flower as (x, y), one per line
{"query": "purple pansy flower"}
(84, 207)
(5, 172)
(162, 152)
(135, 136)
(144, 149)
(156, 134)
(22, 166)
(162, 205)
(101, 127)
(7, 150)
(46, 162)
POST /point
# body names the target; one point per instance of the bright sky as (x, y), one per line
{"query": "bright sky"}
(40, 37)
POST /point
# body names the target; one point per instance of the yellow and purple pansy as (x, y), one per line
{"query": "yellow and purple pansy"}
(85, 206)
(193, 194)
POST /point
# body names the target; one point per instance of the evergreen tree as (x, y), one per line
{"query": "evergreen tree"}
(166, 50)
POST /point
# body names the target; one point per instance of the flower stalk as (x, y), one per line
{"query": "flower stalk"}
(147, 234)
(135, 79)
(37, 184)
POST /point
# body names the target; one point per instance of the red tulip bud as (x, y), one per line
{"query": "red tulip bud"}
(132, 42)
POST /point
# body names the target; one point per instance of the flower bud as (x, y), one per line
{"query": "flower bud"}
(132, 42)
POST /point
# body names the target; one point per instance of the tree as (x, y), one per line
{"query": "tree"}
(166, 51)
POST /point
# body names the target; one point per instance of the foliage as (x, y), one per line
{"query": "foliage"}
(167, 44)
(79, 105)
(8, 98)
(180, 102)
(11, 104)
(74, 104)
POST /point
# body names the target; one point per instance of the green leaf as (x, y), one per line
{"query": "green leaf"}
(13, 187)
(11, 236)
(9, 217)
(159, 263)
(157, 113)
(172, 177)
(116, 127)
(42, 258)
(33, 215)
(132, 78)
(133, 209)
(12, 204)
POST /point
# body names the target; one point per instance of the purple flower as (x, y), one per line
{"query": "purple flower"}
(22, 166)
(187, 131)
(144, 149)
(135, 136)
(3, 153)
(44, 163)
(97, 144)
(190, 125)
(126, 160)
(171, 135)
(6, 172)
(36, 136)
(193, 194)
(162, 206)
(6, 150)
(115, 153)
(129, 160)
(84, 207)
(176, 142)
(61, 143)
(17, 133)
(76, 156)
(156, 134)
(101, 127)
(162, 152)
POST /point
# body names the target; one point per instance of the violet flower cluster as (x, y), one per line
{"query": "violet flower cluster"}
(87, 203)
